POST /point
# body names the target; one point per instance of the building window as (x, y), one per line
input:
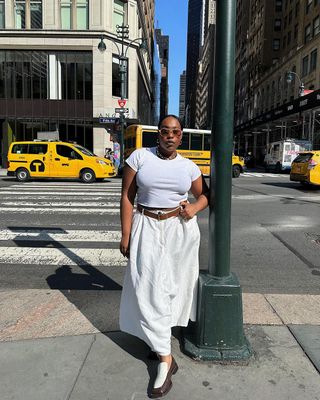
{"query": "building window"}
(297, 9)
(313, 60)
(296, 28)
(28, 14)
(278, 5)
(46, 76)
(82, 14)
(119, 13)
(305, 64)
(20, 14)
(285, 22)
(2, 15)
(116, 80)
(276, 44)
(65, 10)
(284, 42)
(36, 14)
(308, 6)
(307, 33)
(74, 14)
(290, 16)
(316, 26)
(277, 24)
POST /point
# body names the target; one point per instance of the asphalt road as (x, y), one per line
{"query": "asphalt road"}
(64, 235)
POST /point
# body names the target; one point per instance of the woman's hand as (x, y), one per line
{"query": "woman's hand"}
(125, 246)
(188, 210)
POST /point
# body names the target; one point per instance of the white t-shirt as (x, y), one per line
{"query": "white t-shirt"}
(162, 183)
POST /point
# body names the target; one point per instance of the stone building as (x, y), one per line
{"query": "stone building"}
(277, 63)
(54, 78)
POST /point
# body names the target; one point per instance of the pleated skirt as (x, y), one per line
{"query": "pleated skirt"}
(161, 279)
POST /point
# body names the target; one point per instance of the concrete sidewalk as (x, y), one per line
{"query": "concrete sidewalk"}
(50, 350)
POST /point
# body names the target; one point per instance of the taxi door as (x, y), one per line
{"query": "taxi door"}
(64, 161)
(37, 158)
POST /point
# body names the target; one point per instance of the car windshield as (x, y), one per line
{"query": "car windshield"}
(84, 150)
(303, 157)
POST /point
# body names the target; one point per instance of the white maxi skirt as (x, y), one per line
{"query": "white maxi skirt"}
(161, 280)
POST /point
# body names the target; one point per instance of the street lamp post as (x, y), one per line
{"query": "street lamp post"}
(123, 34)
(290, 78)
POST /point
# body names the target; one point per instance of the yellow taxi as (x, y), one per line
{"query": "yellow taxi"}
(56, 159)
(237, 166)
(305, 168)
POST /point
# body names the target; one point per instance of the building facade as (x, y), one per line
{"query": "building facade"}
(182, 96)
(53, 77)
(205, 81)
(163, 43)
(277, 69)
(194, 40)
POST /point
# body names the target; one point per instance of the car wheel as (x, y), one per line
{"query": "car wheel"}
(22, 175)
(87, 176)
(236, 170)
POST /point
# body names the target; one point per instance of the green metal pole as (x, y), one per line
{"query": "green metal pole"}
(222, 143)
(218, 334)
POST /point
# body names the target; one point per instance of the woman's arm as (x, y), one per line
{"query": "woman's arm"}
(128, 194)
(200, 190)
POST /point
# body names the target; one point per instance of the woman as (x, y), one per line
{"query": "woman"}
(161, 242)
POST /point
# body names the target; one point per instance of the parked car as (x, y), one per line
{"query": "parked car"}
(306, 168)
(280, 154)
(46, 159)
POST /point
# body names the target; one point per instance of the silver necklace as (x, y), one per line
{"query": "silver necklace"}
(160, 155)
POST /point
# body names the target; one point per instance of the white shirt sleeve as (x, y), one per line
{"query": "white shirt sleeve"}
(135, 159)
(195, 172)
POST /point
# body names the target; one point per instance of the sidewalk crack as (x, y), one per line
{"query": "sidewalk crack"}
(275, 311)
(81, 368)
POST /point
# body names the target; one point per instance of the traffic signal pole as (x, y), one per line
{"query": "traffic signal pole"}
(218, 332)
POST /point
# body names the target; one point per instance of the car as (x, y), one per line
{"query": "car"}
(237, 166)
(305, 168)
(56, 159)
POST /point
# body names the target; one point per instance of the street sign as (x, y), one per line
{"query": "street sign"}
(122, 103)
(121, 110)
(107, 120)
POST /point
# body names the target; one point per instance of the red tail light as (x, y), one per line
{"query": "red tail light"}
(312, 164)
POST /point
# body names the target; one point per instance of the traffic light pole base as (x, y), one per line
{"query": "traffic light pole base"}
(218, 333)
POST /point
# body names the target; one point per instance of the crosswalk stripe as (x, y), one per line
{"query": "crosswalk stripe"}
(66, 193)
(43, 197)
(45, 190)
(61, 204)
(62, 256)
(59, 235)
(262, 175)
(43, 210)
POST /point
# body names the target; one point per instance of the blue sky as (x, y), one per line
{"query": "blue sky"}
(172, 18)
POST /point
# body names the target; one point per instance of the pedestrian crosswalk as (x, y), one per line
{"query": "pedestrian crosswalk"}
(55, 202)
(263, 175)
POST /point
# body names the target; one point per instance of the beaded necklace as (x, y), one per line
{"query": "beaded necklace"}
(160, 155)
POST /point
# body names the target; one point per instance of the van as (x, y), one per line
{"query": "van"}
(281, 154)
(306, 168)
(56, 159)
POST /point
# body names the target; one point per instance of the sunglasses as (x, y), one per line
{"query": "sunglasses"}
(166, 131)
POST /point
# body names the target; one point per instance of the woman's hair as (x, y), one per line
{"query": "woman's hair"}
(172, 116)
